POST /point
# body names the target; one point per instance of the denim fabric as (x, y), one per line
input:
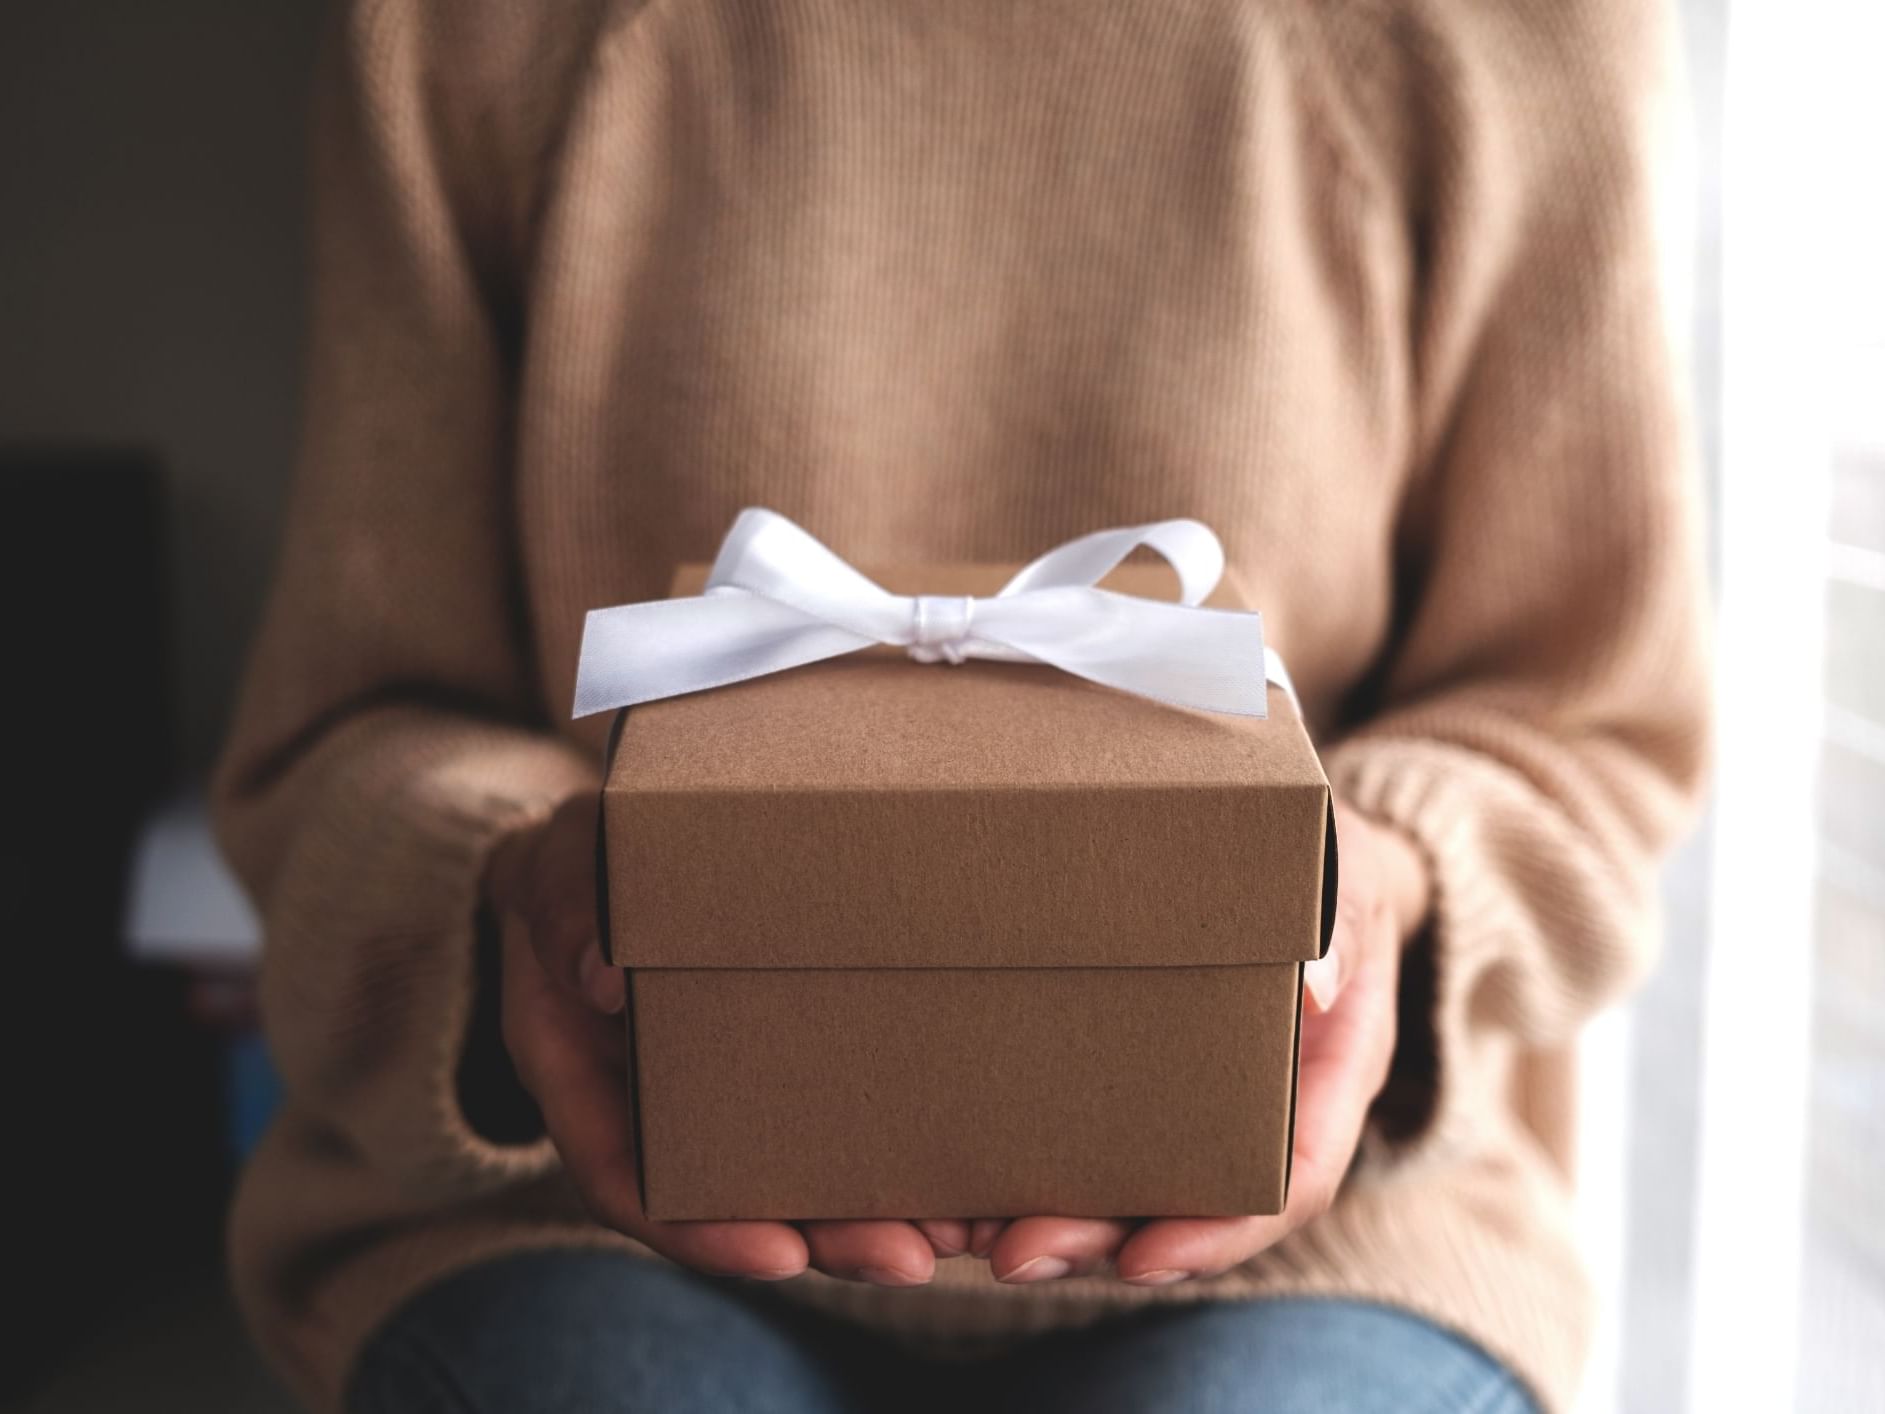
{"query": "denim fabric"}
(598, 1333)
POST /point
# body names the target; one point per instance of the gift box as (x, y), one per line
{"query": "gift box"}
(974, 940)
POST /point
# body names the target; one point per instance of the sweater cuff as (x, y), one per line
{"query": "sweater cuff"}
(372, 919)
(1531, 930)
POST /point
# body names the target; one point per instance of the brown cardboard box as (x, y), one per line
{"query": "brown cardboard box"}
(981, 941)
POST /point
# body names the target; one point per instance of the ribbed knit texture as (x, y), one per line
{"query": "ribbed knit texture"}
(1369, 286)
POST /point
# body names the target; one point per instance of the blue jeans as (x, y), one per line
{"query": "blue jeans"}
(598, 1333)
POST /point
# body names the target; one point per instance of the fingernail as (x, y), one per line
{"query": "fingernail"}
(1319, 979)
(777, 1273)
(1165, 1276)
(889, 1276)
(1040, 1269)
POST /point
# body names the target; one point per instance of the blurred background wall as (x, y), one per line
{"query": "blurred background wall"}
(151, 166)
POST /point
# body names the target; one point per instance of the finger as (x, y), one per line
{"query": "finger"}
(559, 909)
(1170, 1250)
(1358, 917)
(1044, 1249)
(507, 871)
(603, 986)
(982, 1235)
(760, 1251)
(1386, 866)
(880, 1252)
(1344, 1059)
(1398, 864)
(574, 1064)
(561, 906)
(948, 1237)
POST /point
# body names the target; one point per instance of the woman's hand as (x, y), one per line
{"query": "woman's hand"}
(1347, 1040)
(562, 1006)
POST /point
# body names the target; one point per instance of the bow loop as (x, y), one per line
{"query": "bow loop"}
(777, 598)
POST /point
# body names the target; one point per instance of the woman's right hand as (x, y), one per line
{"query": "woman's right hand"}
(562, 1005)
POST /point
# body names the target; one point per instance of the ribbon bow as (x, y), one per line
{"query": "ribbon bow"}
(778, 599)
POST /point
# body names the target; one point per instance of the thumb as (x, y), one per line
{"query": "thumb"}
(601, 983)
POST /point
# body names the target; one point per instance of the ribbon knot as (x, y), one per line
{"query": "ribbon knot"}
(939, 627)
(778, 599)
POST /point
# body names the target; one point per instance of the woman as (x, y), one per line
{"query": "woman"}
(1368, 287)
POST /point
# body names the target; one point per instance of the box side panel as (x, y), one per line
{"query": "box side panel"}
(965, 1092)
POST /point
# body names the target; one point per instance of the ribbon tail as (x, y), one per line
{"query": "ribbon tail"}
(1209, 659)
(637, 653)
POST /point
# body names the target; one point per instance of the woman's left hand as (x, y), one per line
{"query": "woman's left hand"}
(1347, 1040)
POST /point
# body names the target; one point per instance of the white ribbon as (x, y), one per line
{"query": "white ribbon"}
(779, 599)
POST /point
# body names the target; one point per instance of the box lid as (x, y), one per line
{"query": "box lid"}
(871, 811)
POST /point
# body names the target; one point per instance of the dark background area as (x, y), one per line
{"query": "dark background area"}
(151, 205)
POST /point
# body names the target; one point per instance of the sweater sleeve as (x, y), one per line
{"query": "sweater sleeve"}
(1538, 724)
(388, 732)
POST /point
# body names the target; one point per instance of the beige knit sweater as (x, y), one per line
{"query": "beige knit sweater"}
(1369, 286)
